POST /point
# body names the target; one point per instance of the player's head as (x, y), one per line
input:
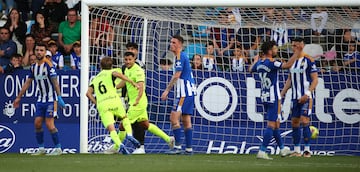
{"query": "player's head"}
(176, 44)
(40, 50)
(129, 58)
(297, 44)
(269, 48)
(132, 47)
(106, 63)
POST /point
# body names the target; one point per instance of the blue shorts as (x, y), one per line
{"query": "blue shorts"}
(272, 110)
(45, 110)
(298, 109)
(185, 105)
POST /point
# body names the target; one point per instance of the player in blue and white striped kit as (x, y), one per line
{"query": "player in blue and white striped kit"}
(43, 72)
(268, 68)
(185, 92)
(303, 78)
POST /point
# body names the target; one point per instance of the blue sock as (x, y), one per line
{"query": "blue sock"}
(296, 136)
(307, 135)
(177, 135)
(55, 138)
(277, 137)
(40, 138)
(188, 137)
(268, 133)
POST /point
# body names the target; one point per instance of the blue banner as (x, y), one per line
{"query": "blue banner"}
(17, 126)
(228, 117)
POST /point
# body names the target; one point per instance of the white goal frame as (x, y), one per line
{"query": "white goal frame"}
(224, 3)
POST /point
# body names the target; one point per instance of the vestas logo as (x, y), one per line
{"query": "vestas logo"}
(273, 141)
(7, 138)
(99, 143)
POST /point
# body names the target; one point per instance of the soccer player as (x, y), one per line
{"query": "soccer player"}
(185, 92)
(302, 79)
(137, 112)
(43, 72)
(108, 103)
(139, 131)
(268, 69)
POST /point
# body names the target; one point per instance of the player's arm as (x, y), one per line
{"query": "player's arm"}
(287, 86)
(89, 94)
(173, 80)
(140, 92)
(290, 62)
(22, 92)
(314, 82)
(125, 78)
(57, 89)
(120, 85)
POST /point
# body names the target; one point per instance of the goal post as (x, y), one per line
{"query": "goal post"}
(219, 126)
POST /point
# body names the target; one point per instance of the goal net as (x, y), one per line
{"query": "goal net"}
(221, 43)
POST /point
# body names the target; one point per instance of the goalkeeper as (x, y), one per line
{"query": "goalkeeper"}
(107, 103)
(137, 112)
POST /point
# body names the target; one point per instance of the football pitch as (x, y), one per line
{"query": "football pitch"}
(173, 163)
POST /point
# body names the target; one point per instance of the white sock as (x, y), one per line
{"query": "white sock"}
(307, 148)
(297, 149)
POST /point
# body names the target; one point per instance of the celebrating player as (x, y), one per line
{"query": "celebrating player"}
(107, 103)
(303, 78)
(137, 112)
(184, 103)
(268, 68)
(43, 72)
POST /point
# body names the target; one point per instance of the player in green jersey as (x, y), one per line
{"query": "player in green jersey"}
(108, 103)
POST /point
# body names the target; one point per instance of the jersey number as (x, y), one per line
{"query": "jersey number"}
(102, 88)
(265, 82)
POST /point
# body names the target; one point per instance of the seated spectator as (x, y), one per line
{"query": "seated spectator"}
(56, 11)
(352, 58)
(28, 49)
(196, 62)
(7, 46)
(41, 29)
(56, 56)
(322, 15)
(17, 28)
(13, 65)
(69, 31)
(209, 60)
(75, 56)
(166, 65)
(239, 59)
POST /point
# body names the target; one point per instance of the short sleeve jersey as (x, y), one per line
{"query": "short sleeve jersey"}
(104, 88)
(136, 74)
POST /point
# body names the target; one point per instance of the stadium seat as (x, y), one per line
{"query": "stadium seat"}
(200, 32)
(29, 23)
(195, 48)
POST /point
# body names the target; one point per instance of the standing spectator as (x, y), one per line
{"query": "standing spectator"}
(9, 5)
(17, 28)
(209, 60)
(196, 62)
(239, 60)
(352, 58)
(56, 11)
(41, 29)
(223, 38)
(7, 46)
(321, 15)
(56, 56)
(13, 65)
(165, 65)
(69, 31)
(28, 49)
(75, 56)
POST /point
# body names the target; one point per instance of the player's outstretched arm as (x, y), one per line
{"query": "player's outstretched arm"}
(287, 86)
(125, 78)
(22, 92)
(291, 61)
(90, 95)
(173, 80)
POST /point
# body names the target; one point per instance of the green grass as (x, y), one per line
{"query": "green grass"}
(173, 163)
